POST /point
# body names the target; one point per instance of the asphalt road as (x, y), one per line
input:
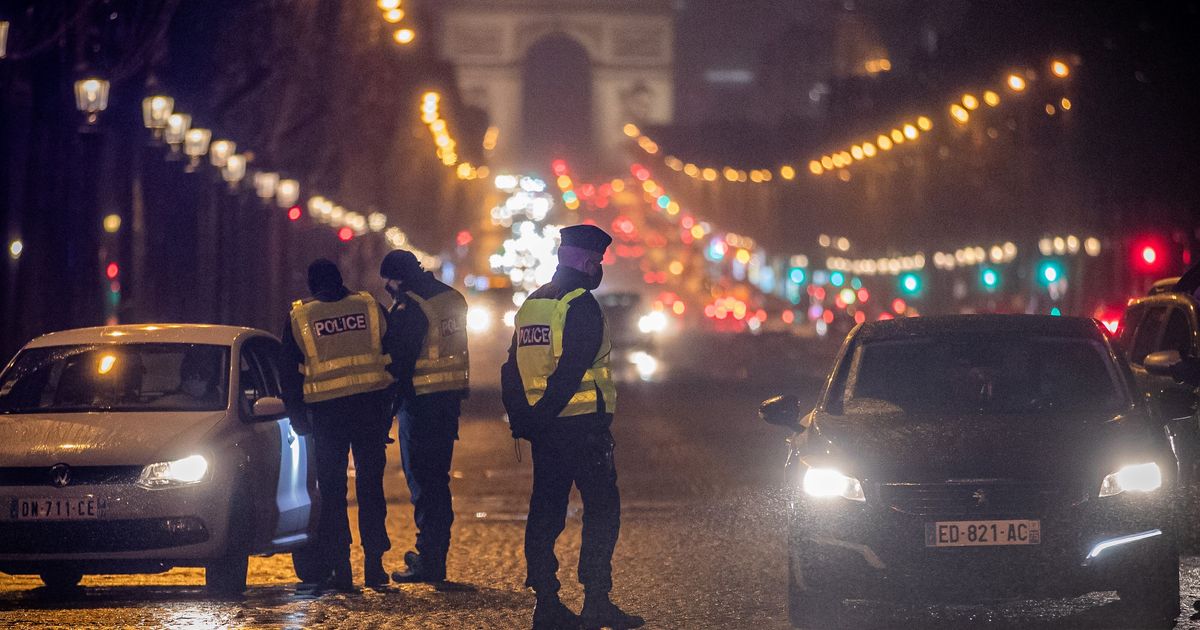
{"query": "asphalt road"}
(702, 543)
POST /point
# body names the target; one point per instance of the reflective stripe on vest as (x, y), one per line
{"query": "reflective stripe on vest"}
(444, 363)
(343, 347)
(539, 325)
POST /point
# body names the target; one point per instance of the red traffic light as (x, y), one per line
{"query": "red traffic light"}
(345, 234)
(294, 213)
(112, 270)
(1149, 255)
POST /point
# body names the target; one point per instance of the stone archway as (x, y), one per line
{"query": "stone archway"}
(630, 44)
(556, 104)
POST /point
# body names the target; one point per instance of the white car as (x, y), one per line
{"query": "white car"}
(135, 449)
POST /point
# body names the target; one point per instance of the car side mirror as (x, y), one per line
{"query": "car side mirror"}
(782, 411)
(1162, 363)
(268, 407)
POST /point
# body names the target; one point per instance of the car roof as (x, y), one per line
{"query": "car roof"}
(148, 333)
(979, 324)
(1166, 285)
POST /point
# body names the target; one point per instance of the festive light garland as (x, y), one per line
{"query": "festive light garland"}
(875, 144)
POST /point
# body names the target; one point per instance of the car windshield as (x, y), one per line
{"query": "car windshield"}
(982, 374)
(117, 377)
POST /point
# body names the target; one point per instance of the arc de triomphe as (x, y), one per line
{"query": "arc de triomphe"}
(629, 44)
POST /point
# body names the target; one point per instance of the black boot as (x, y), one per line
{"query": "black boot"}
(549, 613)
(341, 580)
(600, 612)
(373, 574)
(420, 569)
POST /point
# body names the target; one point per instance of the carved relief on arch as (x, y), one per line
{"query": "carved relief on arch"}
(590, 35)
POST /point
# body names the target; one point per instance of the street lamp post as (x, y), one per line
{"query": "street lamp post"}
(91, 97)
(156, 112)
(195, 145)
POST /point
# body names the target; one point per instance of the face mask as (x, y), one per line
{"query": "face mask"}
(194, 387)
(593, 279)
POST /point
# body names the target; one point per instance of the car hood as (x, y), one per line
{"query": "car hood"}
(908, 447)
(101, 438)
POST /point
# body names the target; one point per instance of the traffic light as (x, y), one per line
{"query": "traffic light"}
(1050, 271)
(910, 284)
(990, 279)
(1149, 255)
(797, 275)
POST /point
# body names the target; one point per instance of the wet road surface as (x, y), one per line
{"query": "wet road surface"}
(702, 542)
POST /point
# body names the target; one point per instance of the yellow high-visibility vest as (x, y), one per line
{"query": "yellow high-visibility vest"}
(343, 347)
(444, 363)
(540, 324)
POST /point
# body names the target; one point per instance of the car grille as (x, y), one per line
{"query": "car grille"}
(79, 475)
(975, 497)
(99, 536)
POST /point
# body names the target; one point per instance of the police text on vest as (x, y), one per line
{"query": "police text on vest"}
(537, 335)
(344, 323)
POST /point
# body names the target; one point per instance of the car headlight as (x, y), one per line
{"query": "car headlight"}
(181, 472)
(1135, 478)
(479, 319)
(827, 482)
(652, 322)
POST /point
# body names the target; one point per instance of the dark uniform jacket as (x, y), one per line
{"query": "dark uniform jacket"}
(582, 335)
(411, 326)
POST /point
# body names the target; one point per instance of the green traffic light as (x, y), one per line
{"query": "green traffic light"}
(910, 283)
(1049, 272)
(990, 279)
(797, 275)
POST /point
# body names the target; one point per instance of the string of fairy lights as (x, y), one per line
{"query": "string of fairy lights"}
(838, 162)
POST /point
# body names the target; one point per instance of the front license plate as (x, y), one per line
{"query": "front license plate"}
(44, 509)
(982, 533)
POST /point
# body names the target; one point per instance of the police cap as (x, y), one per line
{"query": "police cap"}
(587, 237)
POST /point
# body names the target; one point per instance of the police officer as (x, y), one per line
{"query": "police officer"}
(432, 371)
(335, 369)
(560, 395)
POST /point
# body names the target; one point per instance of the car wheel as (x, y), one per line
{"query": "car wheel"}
(308, 565)
(226, 575)
(808, 608)
(61, 579)
(1154, 596)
